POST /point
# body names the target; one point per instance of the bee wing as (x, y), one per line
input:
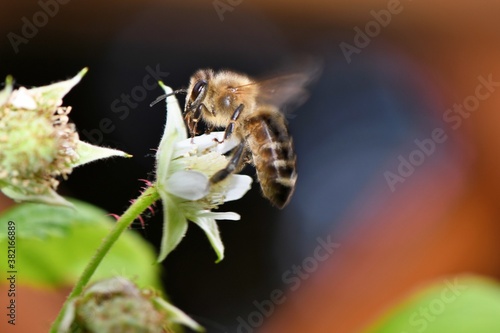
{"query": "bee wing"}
(287, 90)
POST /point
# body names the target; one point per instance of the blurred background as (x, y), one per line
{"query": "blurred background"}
(393, 72)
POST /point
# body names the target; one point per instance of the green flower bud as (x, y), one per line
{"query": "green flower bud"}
(117, 305)
(35, 148)
(38, 145)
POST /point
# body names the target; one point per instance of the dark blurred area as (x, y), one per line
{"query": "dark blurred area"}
(365, 110)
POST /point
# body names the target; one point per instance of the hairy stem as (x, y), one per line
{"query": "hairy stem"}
(146, 199)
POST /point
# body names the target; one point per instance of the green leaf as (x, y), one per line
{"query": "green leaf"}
(455, 305)
(53, 245)
(174, 227)
(50, 197)
(36, 220)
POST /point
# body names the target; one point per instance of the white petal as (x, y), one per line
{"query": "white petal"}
(185, 146)
(22, 99)
(174, 112)
(212, 232)
(237, 186)
(203, 143)
(227, 145)
(175, 131)
(220, 215)
(188, 184)
(211, 142)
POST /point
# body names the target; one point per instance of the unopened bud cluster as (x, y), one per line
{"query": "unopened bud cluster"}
(117, 305)
(37, 144)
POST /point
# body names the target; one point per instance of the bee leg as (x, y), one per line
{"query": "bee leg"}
(192, 119)
(196, 118)
(234, 164)
(209, 129)
(230, 128)
(189, 123)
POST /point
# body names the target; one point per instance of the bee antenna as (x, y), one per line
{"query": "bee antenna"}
(162, 97)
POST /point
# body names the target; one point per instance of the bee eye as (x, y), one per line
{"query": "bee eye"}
(198, 87)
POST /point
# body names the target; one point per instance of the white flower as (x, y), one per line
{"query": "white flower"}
(183, 169)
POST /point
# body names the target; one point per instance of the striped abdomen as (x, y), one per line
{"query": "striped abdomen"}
(272, 151)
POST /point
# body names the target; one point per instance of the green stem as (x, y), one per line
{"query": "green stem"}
(146, 199)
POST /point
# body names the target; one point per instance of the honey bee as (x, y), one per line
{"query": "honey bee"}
(251, 111)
